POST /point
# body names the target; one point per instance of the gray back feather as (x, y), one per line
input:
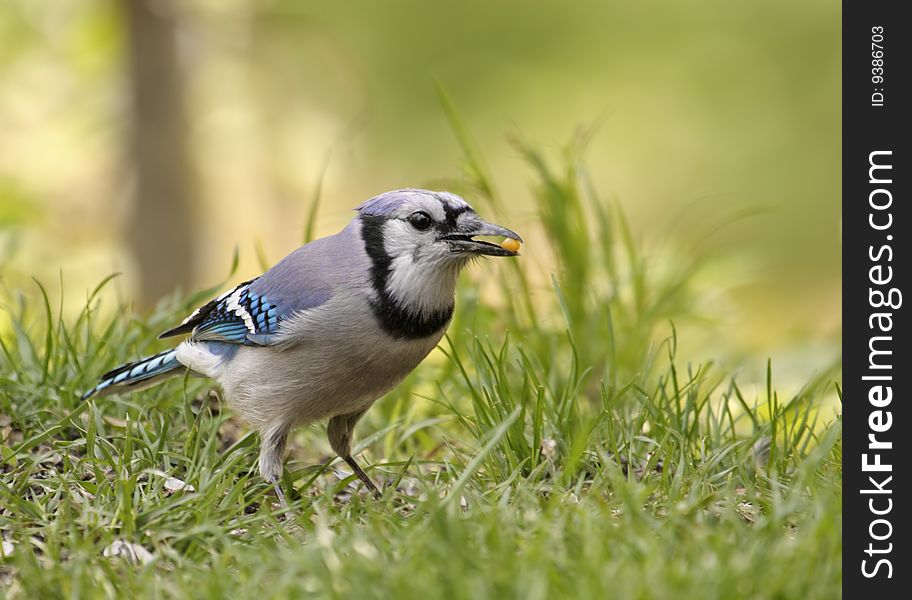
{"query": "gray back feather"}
(309, 276)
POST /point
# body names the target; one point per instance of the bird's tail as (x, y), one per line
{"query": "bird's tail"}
(137, 375)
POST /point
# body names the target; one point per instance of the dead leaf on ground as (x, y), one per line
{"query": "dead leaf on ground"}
(132, 553)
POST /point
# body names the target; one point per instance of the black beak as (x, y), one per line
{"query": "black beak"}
(462, 241)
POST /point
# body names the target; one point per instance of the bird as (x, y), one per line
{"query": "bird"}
(333, 326)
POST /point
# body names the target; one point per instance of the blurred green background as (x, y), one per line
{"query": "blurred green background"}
(153, 138)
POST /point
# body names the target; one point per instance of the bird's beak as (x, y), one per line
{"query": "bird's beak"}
(462, 242)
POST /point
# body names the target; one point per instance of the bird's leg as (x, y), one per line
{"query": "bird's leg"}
(280, 494)
(362, 475)
(339, 431)
(272, 452)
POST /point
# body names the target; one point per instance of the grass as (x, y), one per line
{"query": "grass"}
(557, 446)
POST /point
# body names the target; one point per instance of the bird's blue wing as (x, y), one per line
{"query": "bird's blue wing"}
(241, 317)
(247, 314)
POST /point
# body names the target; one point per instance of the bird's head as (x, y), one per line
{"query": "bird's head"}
(430, 228)
(419, 241)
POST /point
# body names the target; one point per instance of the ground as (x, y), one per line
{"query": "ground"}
(558, 445)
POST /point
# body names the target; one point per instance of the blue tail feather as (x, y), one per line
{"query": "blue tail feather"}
(137, 375)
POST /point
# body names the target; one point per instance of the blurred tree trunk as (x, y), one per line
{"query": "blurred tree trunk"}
(161, 230)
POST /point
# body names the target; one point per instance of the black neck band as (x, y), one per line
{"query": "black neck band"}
(396, 320)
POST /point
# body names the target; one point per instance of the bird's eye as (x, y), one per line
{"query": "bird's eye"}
(420, 220)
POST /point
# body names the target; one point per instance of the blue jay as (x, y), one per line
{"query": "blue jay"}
(333, 326)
